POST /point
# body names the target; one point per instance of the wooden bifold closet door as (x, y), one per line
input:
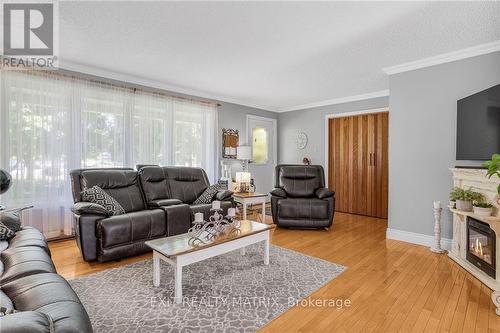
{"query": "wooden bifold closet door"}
(358, 163)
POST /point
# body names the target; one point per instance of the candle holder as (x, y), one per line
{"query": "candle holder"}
(216, 228)
(436, 248)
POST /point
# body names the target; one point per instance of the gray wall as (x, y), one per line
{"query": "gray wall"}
(312, 122)
(234, 116)
(422, 129)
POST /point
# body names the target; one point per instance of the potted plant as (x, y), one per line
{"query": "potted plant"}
(482, 208)
(464, 198)
(455, 194)
(493, 167)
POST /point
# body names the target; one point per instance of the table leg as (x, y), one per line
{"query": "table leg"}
(244, 211)
(266, 249)
(156, 270)
(178, 283)
(264, 211)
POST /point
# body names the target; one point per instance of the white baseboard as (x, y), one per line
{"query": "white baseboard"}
(415, 238)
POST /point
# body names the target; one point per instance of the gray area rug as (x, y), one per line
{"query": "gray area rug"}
(228, 293)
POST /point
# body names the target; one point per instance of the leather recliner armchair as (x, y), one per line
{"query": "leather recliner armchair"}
(300, 198)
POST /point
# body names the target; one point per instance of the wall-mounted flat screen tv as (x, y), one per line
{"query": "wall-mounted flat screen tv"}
(478, 125)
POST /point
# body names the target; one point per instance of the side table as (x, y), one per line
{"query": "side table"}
(251, 198)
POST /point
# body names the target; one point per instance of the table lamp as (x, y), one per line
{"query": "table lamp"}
(243, 181)
(244, 153)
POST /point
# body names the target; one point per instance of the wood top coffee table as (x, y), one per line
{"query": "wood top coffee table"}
(179, 252)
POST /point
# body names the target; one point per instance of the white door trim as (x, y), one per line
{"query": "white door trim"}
(341, 115)
(275, 134)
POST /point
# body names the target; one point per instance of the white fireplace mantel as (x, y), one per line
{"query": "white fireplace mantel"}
(477, 180)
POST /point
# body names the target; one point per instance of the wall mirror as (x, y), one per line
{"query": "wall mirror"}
(230, 141)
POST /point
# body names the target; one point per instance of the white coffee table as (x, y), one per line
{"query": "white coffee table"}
(178, 252)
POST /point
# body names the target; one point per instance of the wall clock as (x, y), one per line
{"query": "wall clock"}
(301, 140)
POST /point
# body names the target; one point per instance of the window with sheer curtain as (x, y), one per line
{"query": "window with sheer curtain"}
(52, 123)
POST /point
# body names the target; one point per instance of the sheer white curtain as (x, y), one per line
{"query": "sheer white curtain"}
(104, 111)
(151, 128)
(195, 136)
(36, 148)
(174, 131)
(52, 123)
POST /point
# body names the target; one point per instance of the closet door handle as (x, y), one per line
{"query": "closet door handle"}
(370, 159)
(374, 160)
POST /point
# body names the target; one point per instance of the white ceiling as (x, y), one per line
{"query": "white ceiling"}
(275, 55)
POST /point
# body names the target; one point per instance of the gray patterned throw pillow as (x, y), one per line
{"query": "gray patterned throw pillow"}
(11, 220)
(5, 232)
(207, 195)
(98, 196)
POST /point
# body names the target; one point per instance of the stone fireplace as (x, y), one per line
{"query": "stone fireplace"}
(476, 242)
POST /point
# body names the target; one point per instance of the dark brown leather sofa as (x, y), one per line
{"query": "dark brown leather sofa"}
(179, 185)
(300, 198)
(157, 203)
(42, 299)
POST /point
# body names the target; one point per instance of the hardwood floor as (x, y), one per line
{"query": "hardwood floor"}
(392, 285)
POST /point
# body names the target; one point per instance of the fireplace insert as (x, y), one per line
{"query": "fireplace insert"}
(481, 246)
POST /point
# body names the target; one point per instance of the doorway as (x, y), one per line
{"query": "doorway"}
(357, 160)
(262, 136)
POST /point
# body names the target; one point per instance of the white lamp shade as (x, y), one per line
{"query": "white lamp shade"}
(244, 153)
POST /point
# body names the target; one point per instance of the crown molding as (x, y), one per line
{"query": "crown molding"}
(340, 100)
(132, 79)
(444, 58)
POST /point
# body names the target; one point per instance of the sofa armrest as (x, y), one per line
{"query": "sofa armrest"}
(26, 321)
(85, 233)
(164, 203)
(323, 193)
(178, 219)
(223, 195)
(278, 192)
(81, 208)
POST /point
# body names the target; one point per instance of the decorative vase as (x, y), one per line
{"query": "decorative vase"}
(480, 211)
(464, 205)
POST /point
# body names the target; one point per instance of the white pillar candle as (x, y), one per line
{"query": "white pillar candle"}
(231, 212)
(198, 217)
(246, 177)
(239, 177)
(215, 204)
(437, 204)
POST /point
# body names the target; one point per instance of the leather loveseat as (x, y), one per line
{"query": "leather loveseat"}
(179, 185)
(157, 203)
(35, 297)
(300, 198)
